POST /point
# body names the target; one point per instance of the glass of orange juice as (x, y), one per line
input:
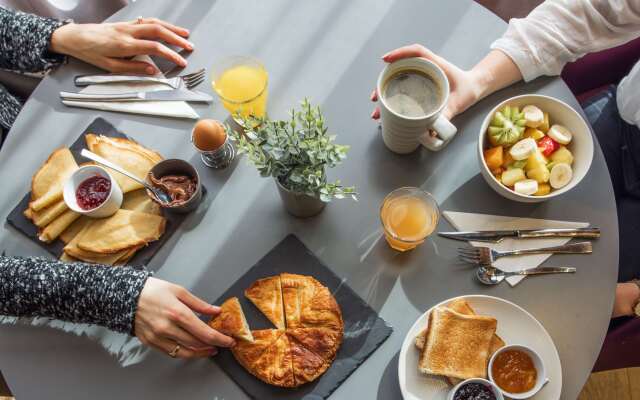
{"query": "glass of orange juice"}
(408, 215)
(241, 84)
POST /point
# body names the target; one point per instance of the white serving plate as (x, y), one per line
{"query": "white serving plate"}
(515, 326)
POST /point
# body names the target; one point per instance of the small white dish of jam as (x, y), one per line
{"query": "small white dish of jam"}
(93, 192)
(475, 389)
(518, 371)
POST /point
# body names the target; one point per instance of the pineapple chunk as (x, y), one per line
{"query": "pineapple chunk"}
(511, 176)
(562, 155)
(534, 133)
(493, 157)
(544, 127)
(536, 160)
(541, 175)
(543, 189)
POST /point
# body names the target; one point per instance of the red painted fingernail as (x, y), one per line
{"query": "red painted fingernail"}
(373, 115)
(213, 352)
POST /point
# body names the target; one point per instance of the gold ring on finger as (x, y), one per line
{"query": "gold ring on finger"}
(139, 20)
(173, 353)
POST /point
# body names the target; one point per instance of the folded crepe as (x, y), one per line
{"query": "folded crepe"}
(457, 345)
(127, 154)
(461, 306)
(50, 232)
(76, 227)
(72, 249)
(231, 320)
(48, 181)
(123, 230)
(67, 258)
(139, 200)
(46, 215)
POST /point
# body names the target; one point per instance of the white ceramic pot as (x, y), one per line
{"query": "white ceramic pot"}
(537, 363)
(559, 113)
(107, 208)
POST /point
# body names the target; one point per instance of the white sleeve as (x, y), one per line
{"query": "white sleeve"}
(560, 31)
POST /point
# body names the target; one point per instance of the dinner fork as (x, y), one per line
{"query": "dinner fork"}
(187, 81)
(486, 255)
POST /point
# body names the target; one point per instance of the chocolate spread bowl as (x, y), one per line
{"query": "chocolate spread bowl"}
(180, 180)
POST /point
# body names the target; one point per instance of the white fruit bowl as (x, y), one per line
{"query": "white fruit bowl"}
(559, 113)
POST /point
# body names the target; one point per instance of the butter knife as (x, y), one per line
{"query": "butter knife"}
(157, 95)
(497, 236)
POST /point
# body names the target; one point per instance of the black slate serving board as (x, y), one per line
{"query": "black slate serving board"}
(364, 330)
(17, 219)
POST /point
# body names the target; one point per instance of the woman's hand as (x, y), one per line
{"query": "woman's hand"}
(109, 45)
(494, 72)
(165, 318)
(627, 296)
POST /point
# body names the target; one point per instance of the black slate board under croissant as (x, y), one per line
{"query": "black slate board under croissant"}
(364, 330)
(17, 219)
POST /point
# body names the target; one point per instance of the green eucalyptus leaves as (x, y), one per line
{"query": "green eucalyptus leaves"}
(296, 152)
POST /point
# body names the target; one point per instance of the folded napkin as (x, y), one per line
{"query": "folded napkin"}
(176, 109)
(482, 222)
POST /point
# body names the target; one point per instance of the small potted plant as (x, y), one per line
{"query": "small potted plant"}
(296, 153)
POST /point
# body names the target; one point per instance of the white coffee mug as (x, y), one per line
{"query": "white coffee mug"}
(403, 134)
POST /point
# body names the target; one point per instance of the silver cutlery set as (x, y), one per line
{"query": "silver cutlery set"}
(484, 257)
(180, 88)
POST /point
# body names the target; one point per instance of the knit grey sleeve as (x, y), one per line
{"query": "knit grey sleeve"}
(76, 292)
(24, 42)
(9, 109)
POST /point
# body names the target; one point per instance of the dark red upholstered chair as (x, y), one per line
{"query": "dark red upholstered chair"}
(587, 77)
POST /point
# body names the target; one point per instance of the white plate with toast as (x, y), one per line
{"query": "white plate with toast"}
(515, 326)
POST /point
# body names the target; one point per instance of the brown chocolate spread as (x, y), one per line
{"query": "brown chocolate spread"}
(179, 187)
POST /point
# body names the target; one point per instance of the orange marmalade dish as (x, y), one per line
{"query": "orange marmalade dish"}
(513, 371)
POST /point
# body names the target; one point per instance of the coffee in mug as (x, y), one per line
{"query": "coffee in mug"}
(412, 93)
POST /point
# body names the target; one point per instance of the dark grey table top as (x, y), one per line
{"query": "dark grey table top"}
(330, 52)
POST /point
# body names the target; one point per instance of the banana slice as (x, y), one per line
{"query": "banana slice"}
(560, 134)
(561, 174)
(523, 149)
(527, 186)
(533, 116)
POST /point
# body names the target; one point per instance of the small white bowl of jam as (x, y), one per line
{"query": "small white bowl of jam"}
(93, 192)
(518, 371)
(475, 389)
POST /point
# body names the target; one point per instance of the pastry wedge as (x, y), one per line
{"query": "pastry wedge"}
(457, 345)
(231, 320)
(275, 365)
(307, 365)
(324, 342)
(248, 353)
(266, 295)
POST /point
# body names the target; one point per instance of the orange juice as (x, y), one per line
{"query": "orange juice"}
(241, 83)
(408, 216)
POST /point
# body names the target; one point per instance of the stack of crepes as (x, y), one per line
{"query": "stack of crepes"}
(457, 343)
(113, 240)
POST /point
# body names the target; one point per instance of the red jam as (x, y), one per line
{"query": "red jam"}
(92, 192)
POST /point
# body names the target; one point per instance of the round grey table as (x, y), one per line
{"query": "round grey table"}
(330, 52)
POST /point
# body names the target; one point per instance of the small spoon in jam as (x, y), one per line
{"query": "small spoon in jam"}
(158, 193)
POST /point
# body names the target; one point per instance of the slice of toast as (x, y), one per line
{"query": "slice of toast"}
(231, 320)
(457, 345)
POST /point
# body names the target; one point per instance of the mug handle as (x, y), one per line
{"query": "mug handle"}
(445, 132)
